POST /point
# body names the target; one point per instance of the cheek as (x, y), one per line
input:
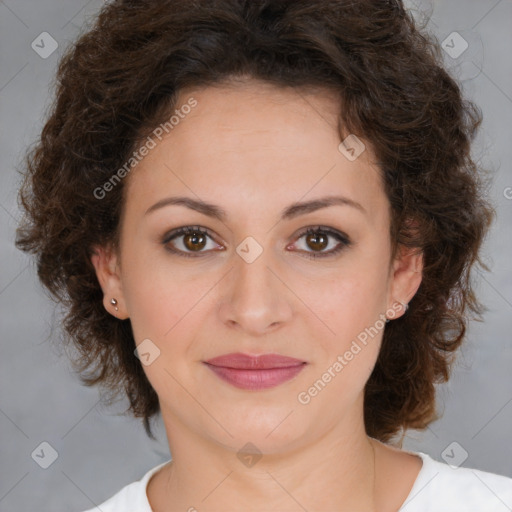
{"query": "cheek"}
(348, 349)
(164, 311)
(350, 305)
(352, 297)
(164, 304)
(154, 297)
(148, 307)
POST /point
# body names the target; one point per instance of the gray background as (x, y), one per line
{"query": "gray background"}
(99, 449)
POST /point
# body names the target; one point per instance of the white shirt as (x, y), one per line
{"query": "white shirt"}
(437, 488)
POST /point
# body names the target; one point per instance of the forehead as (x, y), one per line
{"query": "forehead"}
(255, 143)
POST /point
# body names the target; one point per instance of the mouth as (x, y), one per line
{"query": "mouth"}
(255, 372)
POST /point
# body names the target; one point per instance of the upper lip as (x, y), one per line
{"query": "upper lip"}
(258, 362)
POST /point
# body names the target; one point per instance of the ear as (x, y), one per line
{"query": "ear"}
(106, 263)
(406, 276)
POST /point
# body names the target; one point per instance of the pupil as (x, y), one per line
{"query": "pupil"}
(194, 239)
(318, 241)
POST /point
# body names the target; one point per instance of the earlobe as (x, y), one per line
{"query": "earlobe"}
(106, 265)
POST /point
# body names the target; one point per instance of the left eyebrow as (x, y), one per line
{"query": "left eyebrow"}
(296, 209)
(290, 212)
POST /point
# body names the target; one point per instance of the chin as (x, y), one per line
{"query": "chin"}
(271, 433)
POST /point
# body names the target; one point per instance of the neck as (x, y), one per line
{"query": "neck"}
(336, 472)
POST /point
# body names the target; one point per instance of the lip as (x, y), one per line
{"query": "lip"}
(255, 372)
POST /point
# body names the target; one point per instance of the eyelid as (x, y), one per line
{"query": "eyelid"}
(327, 230)
(174, 233)
(183, 230)
(343, 239)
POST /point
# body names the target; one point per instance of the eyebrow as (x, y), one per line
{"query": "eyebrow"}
(290, 212)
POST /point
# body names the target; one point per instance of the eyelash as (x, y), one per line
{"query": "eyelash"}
(187, 230)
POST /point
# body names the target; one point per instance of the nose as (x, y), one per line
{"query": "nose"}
(256, 299)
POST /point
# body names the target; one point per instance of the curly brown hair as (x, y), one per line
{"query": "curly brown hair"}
(121, 79)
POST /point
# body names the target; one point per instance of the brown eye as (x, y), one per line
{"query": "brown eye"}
(317, 239)
(188, 241)
(194, 241)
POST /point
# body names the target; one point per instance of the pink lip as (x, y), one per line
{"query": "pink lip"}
(255, 372)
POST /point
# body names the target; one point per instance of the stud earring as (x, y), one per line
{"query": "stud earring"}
(405, 306)
(114, 303)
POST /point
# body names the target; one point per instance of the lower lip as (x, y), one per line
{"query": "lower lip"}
(256, 379)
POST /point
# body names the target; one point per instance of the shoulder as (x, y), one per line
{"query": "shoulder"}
(131, 497)
(440, 486)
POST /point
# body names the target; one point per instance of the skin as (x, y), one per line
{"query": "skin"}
(253, 149)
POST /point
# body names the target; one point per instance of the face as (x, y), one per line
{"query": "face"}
(251, 279)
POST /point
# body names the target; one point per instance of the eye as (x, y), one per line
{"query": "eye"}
(190, 240)
(317, 238)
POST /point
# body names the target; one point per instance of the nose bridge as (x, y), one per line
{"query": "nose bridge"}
(256, 299)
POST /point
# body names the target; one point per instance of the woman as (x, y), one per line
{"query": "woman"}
(262, 217)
